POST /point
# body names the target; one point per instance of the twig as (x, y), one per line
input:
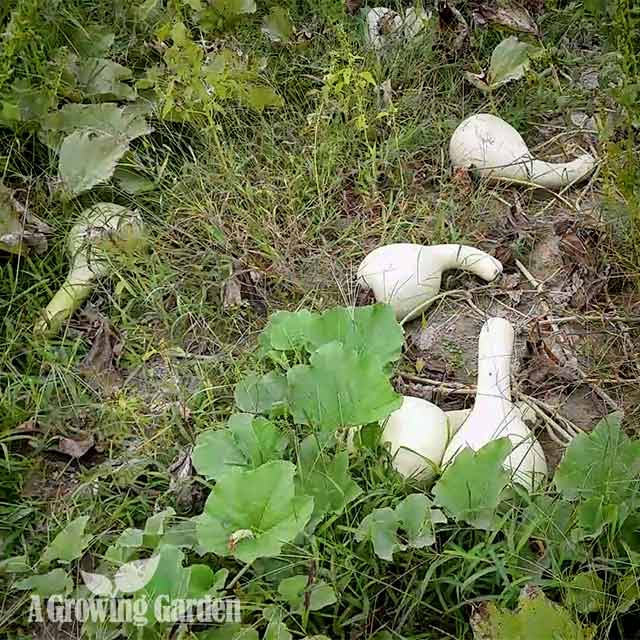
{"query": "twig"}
(556, 329)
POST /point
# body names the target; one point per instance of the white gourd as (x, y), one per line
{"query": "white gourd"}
(417, 433)
(494, 415)
(496, 150)
(406, 275)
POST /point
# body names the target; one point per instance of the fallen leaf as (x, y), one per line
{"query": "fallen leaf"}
(181, 472)
(76, 447)
(510, 60)
(450, 19)
(277, 25)
(20, 231)
(505, 14)
(28, 426)
(510, 284)
(462, 180)
(232, 293)
(99, 363)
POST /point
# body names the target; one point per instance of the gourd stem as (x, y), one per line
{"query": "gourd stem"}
(66, 300)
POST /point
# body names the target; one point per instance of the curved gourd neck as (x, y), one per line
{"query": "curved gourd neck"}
(560, 174)
(453, 256)
(495, 349)
(459, 256)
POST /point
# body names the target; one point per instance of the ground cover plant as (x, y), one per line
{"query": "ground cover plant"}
(208, 421)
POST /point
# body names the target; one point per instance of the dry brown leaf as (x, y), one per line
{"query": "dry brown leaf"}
(76, 447)
(505, 14)
(100, 363)
(28, 426)
(232, 296)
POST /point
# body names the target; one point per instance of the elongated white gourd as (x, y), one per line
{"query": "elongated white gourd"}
(496, 150)
(406, 275)
(102, 228)
(494, 415)
(417, 433)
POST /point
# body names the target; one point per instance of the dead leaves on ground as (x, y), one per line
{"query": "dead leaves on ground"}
(99, 366)
(20, 230)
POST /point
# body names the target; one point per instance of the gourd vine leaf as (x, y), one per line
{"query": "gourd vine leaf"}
(510, 61)
(252, 514)
(261, 394)
(171, 579)
(69, 544)
(415, 515)
(288, 330)
(296, 590)
(100, 79)
(259, 96)
(585, 592)
(277, 630)
(234, 7)
(277, 25)
(340, 388)
(106, 118)
(55, 582)
(550, 520)
(155, 527)
(380, 528)
(14, 564)
(470, 488)
(91, 40)
(248, 442)
(229, 631)
(372, 329)
(325, 476)
(98, 137)
(87, 159)
(601, 470)
(418, 517)
(536, 617)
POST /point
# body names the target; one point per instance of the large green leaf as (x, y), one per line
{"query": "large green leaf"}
(261, 394)
(325, 476)
(252, 514)
(601, 469)
(69, 544)
(510, 61)
(87, 159)
(248, 442)
(101, 79)
(551, 521)
(169, 580)
(277, 25)
(92, 40)
(340, 388)
(372, 330)
(380, 527)
(415, 515)
(471, 488)
(56, 582)
(301, 595)
(259, 96)
(536, 618)
(105, 118)
(585, 592)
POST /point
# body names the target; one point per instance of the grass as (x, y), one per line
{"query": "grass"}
(285, 202)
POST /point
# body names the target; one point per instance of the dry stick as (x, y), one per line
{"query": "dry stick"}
(541, 409)
(539, 287)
